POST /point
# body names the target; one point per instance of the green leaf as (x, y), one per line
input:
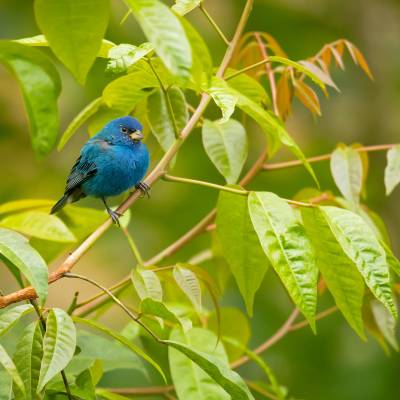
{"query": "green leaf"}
(6, 392)
(197, 384)
(19, 205)
(288, 248)
(159, 118)
(235, 325)
(123, 56)
(105, 394)
(137, 350)
(39, 224)
(10, 316)
(360, 244)
(392, 170)
(40, 85)
(273, 129)
(385, 322)
(189, 284)
(261, 363)
(28, 356)
(338, 270)
(16, 248)
(58, 345)
(11, 369)
(147, 284)
(202, 65)
(164, 30)
(74, 30)
(218, 370)
(240, 246)
(347, 171)
(183, 7)
(41, 41)
(224, 98)
(79, 120)
(226, 146)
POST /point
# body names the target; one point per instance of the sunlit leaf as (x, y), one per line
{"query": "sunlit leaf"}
(137, 350)
(123, 56)
(10, 316)
(74, 30)
(392, 170)
(18, 251)
(218, 370)
(197, 384)
(11, 370)
(58, 345)
(159, 118)
(182, 7)
(25, 204)
(241, 246)
(347, 171)
(39, 224)
(226, 145)
(288, 248)
(40, 85)
(318, 73)
(361, 245)
(147, 284)
(224, 98)
(164, 30)
(27, 358)
(338, 270)
(189, 284)
(6, 383)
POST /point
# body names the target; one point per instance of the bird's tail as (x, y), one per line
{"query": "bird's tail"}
(60, 203)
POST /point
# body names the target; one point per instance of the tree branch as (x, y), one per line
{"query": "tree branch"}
(29, 292)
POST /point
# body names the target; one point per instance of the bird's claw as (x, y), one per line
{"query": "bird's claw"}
(144, 188)
(114, 215)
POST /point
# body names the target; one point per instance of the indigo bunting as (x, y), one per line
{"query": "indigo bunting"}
(111, 162)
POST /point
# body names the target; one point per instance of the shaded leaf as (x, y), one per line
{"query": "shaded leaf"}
(137, 350)
(11, 369)
(40, 85)
(338, 270)
(307, 96)
(74, 30)
(361, 245)
(241, 246)
(164, 30)
(6, 392)
(28, 356)
(18, 251)
(224, 98)
(284, 95)
(196, 385)
(10, 316)
(58, 345)
(347, 171)
(385, 322)
(189, 284)
(226, 145)
(147, 284)
(39, 224)
(287, 246)
(105, 394)
(392, 170)
(123, 56)
(159, 118)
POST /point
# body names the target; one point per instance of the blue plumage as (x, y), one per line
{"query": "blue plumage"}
(111, 162)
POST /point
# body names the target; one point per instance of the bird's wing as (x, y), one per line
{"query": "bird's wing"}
(80, 173)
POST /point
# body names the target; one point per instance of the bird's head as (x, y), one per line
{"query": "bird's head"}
(125, 129)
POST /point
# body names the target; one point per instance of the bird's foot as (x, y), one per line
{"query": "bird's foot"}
(114, 215)
(144, 188)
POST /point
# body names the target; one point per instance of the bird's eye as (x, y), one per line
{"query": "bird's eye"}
(124, 129)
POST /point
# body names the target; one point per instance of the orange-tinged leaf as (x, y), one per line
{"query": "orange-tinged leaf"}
(284, 95)
(273, 45)
(338, 56)
(307, 96)
(319, 73)
(363, 63)
(326, 56)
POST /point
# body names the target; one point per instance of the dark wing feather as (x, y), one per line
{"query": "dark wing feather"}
(80, 173)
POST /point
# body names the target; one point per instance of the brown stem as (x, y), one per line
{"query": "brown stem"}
(155, 175)
(142, 390)
(324, 157)
(320, 315)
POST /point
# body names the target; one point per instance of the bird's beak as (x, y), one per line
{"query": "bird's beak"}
(137, 135)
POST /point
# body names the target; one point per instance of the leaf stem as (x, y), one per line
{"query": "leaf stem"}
(116, 300)
(248, 68)
(214, 24)
(133, 246)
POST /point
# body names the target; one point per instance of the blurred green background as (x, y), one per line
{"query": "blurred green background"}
(335, 364)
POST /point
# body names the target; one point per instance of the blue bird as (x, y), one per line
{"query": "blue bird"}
(111, 162)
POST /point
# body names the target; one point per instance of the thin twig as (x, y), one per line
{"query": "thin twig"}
(142, 390)
(214, 24)
(133, 246)
(320, 315)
